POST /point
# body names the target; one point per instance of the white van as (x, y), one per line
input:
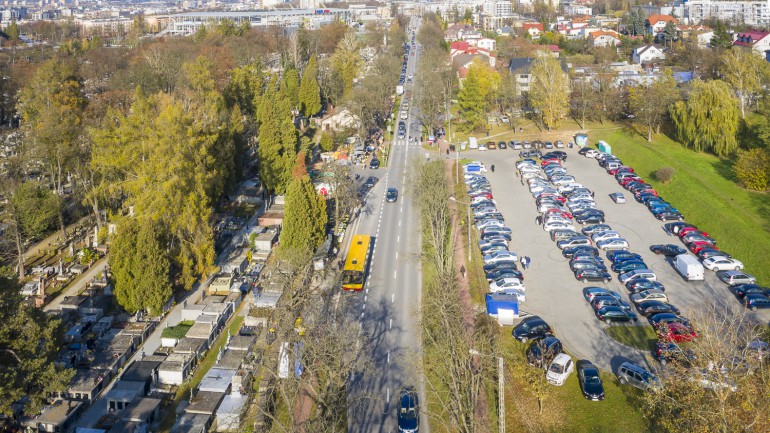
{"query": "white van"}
(689, 267)
(473, 143)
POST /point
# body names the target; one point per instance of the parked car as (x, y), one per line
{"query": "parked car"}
(676, 332)
(501, 256)
(506, 283)
(647, 308)
(668, 215)
(636, 376)
(569, 252)
(591, 292)
(560, 369)
(636, 274)
(603, 236)
(722, 264)
(735, 277)
(409, 411)
(586, 264)
(561, 234)
(590, 381)
(615, 314)
(677, 226)
(742, 290)
(531, 328)
(755, 301)
(541, 352)
(705, 253)
(649, 295)
(596, 228)
(573, 242)
(613, 244)
(640, 284)
(608, 301)
(669, 250)
(588, 218)
(594, 274)
(628, 265)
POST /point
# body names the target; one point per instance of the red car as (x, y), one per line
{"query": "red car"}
(565, 214)
(550, 161)
(687, 230)
(628, 180)
(695, 247)
(482, 194)
(622, 168)
(553, 196)
(676, 332)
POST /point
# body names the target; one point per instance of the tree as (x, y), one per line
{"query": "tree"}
(669, 32)
(752, 168)
(30, 341)
(32, 213)
(309, 92)
(746, 72)
(508, 97)
(650, 103)
(304, 223)
(721, 40)
(52, 110)
(326, 142)
(277, 141)
(290, 87)
(435, 80)
(723, 387)
(635, 22)
(140, 266)
(549, 90)
(346, 62)
(709, 119)
(245, 88)
(582, 100)
(471, 103)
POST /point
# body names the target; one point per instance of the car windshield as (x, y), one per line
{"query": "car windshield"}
(592, 376)
(556, 368)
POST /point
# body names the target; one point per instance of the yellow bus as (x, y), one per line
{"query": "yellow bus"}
(356, 263)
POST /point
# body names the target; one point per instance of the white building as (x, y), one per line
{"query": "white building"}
(647, 54)
(188, 23)
(752, 13)
(498, 7)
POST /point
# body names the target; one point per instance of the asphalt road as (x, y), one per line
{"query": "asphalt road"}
(388, 307)
(552, 291)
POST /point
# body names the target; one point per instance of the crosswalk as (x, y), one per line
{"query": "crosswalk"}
(403, 143)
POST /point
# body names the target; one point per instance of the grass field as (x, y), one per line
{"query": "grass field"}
(566, 410)
(640, 337)
(704, 189)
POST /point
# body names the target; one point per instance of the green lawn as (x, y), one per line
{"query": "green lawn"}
(704, 189)
(566, 410)
(640, 337)
(179, 331)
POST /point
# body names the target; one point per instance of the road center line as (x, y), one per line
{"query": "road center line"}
(394, 274)
(392, 298)
(390, 325)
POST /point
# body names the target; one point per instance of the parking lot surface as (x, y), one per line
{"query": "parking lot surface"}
(552, 290)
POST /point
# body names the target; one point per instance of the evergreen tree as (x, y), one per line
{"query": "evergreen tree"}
(245, 88)
(721, 39)
(140, 266)
(304, 221)
(309, 91)
(290, 87)
(709, 119)
(471, 102)
(277, 141)
(669, 32)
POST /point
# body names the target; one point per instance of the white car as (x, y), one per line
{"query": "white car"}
(722, 264)
(506, 283)
(500, 256)
(484, 224)
(525, 162)
(560, 369)
(558, 225)
(520, 295)
(531, 175)
(569, 187)
(403, 115)
(613, 244)
(479, 199)
(603, 236)
(528, 168)
(562, 180)
(591, 153)
(637, 274)
(482, 147)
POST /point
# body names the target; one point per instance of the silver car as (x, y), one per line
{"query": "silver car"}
(636, 376)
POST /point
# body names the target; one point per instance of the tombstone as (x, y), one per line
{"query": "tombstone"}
(96, 237)
(61, 266)
(72, 248)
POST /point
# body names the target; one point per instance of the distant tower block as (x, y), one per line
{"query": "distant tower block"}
(308, 4)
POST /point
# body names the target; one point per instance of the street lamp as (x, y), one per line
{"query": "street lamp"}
(468, 223)
(500, 391)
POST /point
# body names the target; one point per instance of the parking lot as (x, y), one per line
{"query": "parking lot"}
(552, 290)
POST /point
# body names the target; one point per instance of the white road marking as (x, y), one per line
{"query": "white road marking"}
(394, 274)
(387, 399)
(398, 238)
(399, 223)
(390, 326)
(362, 316)
(365, 297)
(388, 356)
(396, 255)
(392, 298)
(364, 307)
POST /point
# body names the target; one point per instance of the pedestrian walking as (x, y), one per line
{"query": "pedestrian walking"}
(447, 151)
(593, 194)
(493, 168)
(462, 270)
(523, 262)
(539, 220)
(517, 172)
(526, 262)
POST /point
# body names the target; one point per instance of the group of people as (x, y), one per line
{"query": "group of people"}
(524, 260)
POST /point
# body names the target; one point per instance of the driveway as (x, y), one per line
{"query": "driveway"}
(552, 291)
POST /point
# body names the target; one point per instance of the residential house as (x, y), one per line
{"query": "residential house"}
(504, 31)
(485, 43)
(759, 41)
(520, 68)
(647, 54)
(533, 29)
(604, 38)
(344, 119)
(552, 50)
(656, 23)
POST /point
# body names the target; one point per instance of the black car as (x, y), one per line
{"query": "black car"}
(558, 154)
(755, 301)
(675, 227)
(668, 215)
(622, 254)
(647, 308)
(618, 260)
(370, 182)
(374, 164)
(596, 228)
(615, 314)
(531, 328)
(590, 218)
(593, 274)
(541, 352)
(492, 267)
(391, 195)
(506, 236)
(586, 264)
(505, 273)
(590, 381)
(601, 301)
(742, 290)
(668, 250)
(711, 252)
(639, 284)
(628, 265)
(408, 411)
(569, 252)
(659, 319)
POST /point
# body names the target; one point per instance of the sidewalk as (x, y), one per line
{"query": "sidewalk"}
(79, 286)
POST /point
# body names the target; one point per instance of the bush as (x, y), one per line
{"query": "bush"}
(327, 142)
(664, 174)
(752, 168)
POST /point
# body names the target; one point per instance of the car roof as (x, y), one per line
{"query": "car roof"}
(632, 366)
(561, 358)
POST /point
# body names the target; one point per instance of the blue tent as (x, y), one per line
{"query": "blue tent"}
(581, 139)
(496, 302)
(604, 147)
